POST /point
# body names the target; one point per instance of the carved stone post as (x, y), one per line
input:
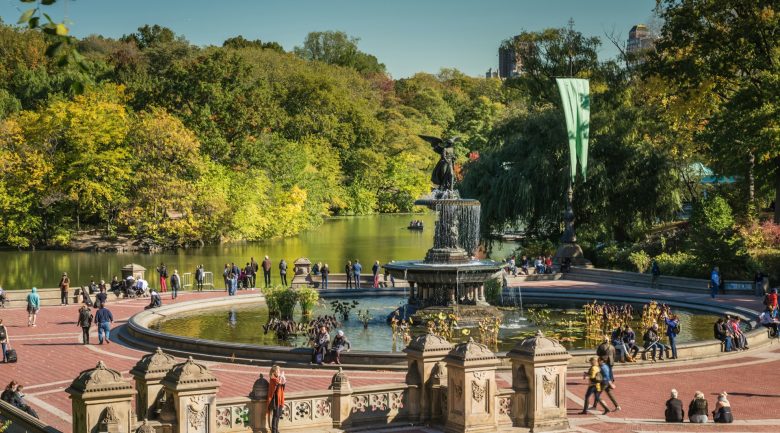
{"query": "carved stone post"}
(541, 363)
(471, 377)
(258, 408)
(149, 373)
(422, 354)
(438, 393)
(101, 401)
(341, 401)
(193, 389)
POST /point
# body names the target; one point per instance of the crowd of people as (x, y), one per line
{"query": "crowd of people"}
(728, 330)
(539, 265)
(698, 411)
(622, 345)
(353, 271)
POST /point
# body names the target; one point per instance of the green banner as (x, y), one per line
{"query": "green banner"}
(575, 93)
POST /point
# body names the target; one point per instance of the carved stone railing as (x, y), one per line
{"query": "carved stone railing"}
(306, 410)
(504, 406)
(233, 415)
(21, 422)
(378, 405)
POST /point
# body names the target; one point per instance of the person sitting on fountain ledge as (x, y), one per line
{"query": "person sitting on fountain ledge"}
(674, 409)
(340, 344)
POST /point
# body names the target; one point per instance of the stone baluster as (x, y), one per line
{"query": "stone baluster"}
(101, 401)
(193, 391)
(539, 366)
(342, 399)
(258, 407)
(471, 387)
(422, 355)
(148, 374)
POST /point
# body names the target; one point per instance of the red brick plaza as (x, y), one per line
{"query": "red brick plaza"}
(51, 355)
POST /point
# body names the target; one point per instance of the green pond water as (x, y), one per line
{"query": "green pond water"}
(367, 238)
(244, 325)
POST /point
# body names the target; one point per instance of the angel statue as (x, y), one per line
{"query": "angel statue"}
(444, 173)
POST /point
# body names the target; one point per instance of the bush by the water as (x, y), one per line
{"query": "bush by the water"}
(281, 301)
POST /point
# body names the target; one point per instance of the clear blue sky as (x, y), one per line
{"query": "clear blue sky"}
(406, 35)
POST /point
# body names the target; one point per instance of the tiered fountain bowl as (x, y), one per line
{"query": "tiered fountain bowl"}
(450, 278)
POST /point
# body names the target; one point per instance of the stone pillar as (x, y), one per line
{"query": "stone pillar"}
(258, 409)
(422, 354)
(438, 393)
(540, 363)
(341, 402)
(471, 386)
(193, 390)
(101, 401)
(148, 374)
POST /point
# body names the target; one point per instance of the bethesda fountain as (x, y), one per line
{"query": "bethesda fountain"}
(450, 277)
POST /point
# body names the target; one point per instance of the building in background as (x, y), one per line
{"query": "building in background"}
(510, 61)
(640, 41)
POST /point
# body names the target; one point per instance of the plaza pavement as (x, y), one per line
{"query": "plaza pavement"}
(51, 356)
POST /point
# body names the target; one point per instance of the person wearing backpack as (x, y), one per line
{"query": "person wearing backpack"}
(672, 329)
(4, 341)
(85, 322)
(594, 386)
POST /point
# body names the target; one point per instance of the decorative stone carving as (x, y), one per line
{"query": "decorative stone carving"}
(477, 391)
(505, 406)
(359, 403)
(378, 402)
(157, 362)
(321, 408)
(539, 368)
(99, 379)
(145, 428)
(472, 351)
(148, 374)
(191, 373)
(340, 381)
(429, 343)
(302, 411)
(196, 412)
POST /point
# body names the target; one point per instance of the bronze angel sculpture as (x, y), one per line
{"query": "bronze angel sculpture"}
(444, 173)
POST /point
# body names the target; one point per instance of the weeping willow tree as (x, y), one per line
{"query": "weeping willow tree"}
(523, 178)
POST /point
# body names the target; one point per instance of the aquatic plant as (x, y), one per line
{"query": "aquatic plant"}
(365, 318)
(343, 308)
(308, 298)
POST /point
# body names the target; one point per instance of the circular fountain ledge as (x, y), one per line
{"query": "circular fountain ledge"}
(138, 333)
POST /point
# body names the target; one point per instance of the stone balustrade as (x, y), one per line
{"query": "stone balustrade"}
(453, 387)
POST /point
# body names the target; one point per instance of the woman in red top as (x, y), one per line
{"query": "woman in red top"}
(771, 301)
(276, 396)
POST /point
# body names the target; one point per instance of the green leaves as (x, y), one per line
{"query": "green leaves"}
(26, 15)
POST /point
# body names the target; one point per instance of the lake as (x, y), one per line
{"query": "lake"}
(382, 237)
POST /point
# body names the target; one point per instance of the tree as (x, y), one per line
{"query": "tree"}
(239, 42)
(731, 47)
(337, 48)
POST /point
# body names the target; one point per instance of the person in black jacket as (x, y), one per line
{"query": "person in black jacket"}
(85, 322)
(674, 409)
(325, 271)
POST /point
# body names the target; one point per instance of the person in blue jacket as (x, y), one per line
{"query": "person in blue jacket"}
(356, 268)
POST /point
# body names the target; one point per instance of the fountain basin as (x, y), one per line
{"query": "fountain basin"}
(421, 272)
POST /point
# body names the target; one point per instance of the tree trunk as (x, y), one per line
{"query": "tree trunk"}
(777, 190)
(751, 181)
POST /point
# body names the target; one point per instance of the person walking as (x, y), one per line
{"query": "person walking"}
(175, 284)
(608, 383)
(356, 269)
(349, 271)
(33, 306)
(325, 271)
(104, 319)
(5, 342)
(697, 409)
(715, 282)
(276, 385)
(593, 374)
(674, 409)
(163, 271)
(267, 271)
(85, 322)
(655, 270)
(101, 297)
(64, 288)
(672, 329)
(606, 352)
(283, 272)
(375, 272)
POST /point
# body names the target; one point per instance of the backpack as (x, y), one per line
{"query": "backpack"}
(85, 318)
(3, 334)
(677, 329)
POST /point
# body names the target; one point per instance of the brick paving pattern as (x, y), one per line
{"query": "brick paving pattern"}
(51, 355)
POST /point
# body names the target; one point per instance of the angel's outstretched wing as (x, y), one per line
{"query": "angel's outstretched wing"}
(436, 142)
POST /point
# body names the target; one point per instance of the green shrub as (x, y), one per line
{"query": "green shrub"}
(640, 260)
(680, 264)
(536, 248)
(308, 298)
(281, 301)
(493, 289)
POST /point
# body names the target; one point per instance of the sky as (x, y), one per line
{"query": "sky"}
(408, 36)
